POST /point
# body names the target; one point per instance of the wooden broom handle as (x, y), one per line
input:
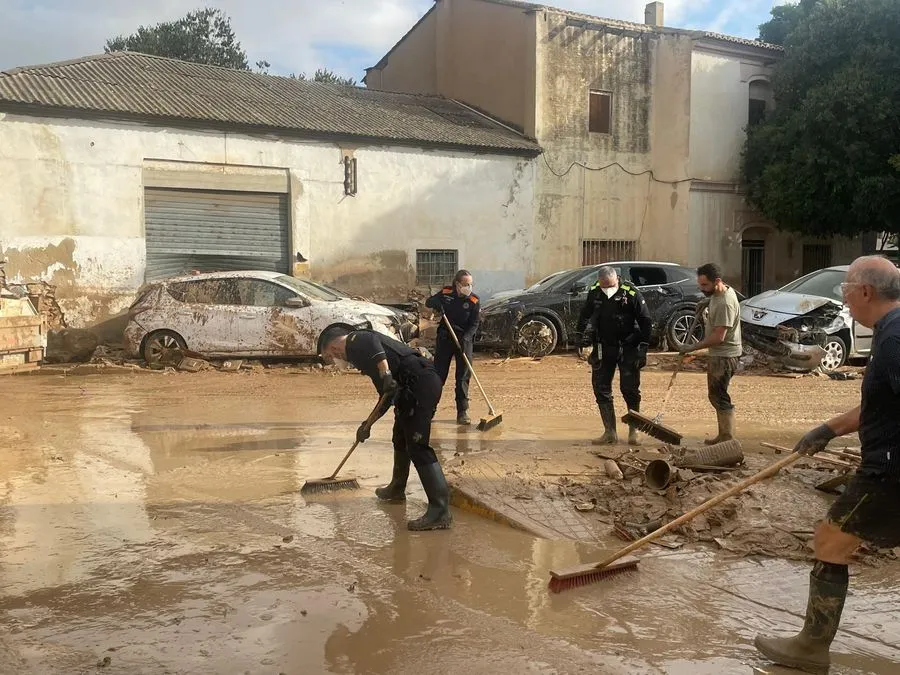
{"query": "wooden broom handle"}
(705, 506)
(466, 359)
(678, 367)
(370, 420)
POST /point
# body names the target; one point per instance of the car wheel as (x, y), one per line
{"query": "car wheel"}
(835, 354)
(160, 345)
(678, 332)
(536, 336)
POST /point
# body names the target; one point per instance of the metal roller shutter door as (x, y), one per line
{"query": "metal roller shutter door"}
(214, 231)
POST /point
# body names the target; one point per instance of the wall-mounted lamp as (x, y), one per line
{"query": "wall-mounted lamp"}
(350, 176)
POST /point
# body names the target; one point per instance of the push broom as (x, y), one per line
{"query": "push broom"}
(493, 418)
(652, 426)
(582, 575)
(332, 483)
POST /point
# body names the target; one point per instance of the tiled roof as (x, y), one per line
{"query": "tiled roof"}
(136, 85)
(747, 42)
(641, 27)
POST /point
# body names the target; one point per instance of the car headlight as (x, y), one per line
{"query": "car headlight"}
(835, 325)
(384, 322)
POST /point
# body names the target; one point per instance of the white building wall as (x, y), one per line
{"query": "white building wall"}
(72, 213)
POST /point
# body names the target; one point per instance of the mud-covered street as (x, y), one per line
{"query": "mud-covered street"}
(152, 523)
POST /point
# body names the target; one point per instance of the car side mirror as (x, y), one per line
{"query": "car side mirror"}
(296, 302)
(577, 288)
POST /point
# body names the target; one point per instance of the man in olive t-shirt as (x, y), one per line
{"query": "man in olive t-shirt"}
(723, 339)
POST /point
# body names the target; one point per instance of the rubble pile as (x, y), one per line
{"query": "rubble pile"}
(774, 518)
(43, 297)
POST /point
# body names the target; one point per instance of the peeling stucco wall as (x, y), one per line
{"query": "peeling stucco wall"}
(721, 81)
(73, 207)
(635, 187)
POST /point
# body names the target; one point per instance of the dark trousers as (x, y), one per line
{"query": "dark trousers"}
(413, 412)
(718, 376)
(604, 361)
(445, 352)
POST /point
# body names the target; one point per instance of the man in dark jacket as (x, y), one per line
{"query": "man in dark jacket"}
(414, 389)
(621, 335)
(461, 307)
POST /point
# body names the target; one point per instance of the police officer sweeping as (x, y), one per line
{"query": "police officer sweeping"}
(869, 508)
(396, 368)
(461, 308)
(622, 327)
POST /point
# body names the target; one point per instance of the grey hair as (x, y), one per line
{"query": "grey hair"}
(885, 279)
(606, 272)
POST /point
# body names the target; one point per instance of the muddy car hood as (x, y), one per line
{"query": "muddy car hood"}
(774, 307)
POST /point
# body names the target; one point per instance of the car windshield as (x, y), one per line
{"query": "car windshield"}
(824, 283)
(308, 288)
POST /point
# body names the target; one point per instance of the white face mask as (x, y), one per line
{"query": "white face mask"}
(609, 292)
(464, 290)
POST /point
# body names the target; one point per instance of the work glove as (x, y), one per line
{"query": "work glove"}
(642, 354)
(389, 385)
(363, 433)
(815, 441)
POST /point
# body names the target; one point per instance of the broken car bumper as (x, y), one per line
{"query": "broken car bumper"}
(789, 347)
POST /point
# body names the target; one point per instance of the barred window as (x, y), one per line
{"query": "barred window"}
(597, 251)
(436, 267)
(815, 257)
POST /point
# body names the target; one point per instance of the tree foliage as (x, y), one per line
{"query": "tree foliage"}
(202, 36)
(824, 163)
(784, 19)
(328, 77)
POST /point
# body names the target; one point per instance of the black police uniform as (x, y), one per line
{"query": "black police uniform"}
(621, 333)
(416, 400)
(462, 313)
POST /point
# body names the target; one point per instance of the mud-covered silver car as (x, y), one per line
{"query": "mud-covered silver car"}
(805, 325)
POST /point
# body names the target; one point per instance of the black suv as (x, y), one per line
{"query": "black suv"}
(535, 321)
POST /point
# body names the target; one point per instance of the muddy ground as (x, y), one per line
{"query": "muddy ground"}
(152, 523)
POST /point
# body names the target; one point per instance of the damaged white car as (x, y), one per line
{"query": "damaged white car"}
(248, 314)
(805, 325)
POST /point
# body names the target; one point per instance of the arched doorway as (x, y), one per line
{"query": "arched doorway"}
(753, 260)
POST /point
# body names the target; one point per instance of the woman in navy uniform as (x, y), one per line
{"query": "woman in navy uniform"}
(461, 306)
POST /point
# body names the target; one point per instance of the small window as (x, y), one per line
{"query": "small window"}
(816, 257)
(600, 121)
(599, 251)
(757, 111)
(436, 267)
(648, 276)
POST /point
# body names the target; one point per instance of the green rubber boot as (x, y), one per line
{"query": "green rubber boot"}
(809, 650)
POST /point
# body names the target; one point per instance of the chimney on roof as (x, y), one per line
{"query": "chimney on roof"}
(653, 14)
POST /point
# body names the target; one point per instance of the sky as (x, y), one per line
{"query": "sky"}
(295, 36)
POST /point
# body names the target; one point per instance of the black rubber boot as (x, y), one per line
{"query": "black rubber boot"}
(608, 415)
(437, 517)
(632, 430)
(808, 651)
(395, 491)
(462, 418)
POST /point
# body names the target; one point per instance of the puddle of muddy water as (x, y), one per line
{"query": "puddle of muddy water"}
(169, 535)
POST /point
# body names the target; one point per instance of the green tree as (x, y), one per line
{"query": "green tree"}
(824, 162)
(202, 36)
(784, 19)
(328, 77)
